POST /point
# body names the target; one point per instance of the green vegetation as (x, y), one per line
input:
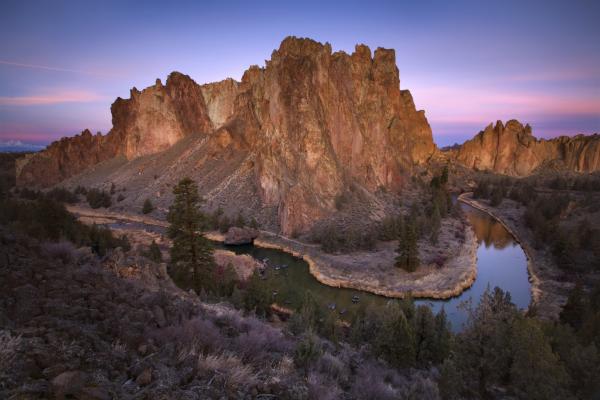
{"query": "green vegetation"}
(408, 252)
(98, 198)
(334, 239)
(154, 252)
(148, 207)
(501, 347)
(191, 254)
(573, 242)
(46, 219)
(258, 295)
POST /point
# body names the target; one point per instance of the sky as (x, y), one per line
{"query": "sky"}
(467, 63)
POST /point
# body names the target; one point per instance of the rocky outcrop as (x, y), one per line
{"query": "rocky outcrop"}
(310, 124)
(238, 236)
(65, 158)
(148, 122)
(157, 117)
(512, 149)
(320, 121)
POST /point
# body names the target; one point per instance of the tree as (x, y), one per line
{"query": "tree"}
(443, 337)
(408, 252)
(444, 176)
(240, 221)
(574, 311)
(225, 280)
(154, 252)
(424, 335)
(535, 370)
(258, 295)
(435, 224)
(148, 207)
(395, 341)
(192, 253)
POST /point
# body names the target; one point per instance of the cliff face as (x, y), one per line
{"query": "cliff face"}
(158, 117)
(511, 149)
(148, 122)
(311, 123)
(65, 158)
(325, 120)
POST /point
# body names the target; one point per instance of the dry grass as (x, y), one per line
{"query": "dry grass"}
(9, 345)
(227, 369)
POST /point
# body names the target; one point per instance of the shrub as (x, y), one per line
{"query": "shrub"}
(154, 252)
(307, 350)
(98, 198)
(148, 207)
(9, 345)
(62, 250)
(63, 195)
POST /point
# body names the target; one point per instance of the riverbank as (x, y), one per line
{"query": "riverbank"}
(374, 271)
(548, 290)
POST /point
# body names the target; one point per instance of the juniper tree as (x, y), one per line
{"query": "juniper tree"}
(408, 252)
(154, 252)
(435, 224)
(148, 207)
(192, 253)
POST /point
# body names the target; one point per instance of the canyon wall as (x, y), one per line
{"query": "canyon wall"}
(512, 149)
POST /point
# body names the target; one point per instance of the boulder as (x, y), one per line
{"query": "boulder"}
(237, 236)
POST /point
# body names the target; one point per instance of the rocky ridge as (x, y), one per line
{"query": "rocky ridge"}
(299, 131)
(512, 149)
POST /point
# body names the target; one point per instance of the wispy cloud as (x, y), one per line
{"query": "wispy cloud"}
(459, 105)
(51, 98)
(58, 69)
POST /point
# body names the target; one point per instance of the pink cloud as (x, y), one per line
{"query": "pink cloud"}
(572, 74)
(470, 105)
(58, 69)
(52, 98)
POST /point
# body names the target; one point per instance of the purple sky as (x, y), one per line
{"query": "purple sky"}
(466, 63)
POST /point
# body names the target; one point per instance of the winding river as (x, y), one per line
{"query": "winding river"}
(500, 262)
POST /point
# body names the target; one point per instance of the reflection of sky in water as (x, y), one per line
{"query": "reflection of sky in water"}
(501, 262)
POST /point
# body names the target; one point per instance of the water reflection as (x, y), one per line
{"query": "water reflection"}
(487, 230)
(500, 261)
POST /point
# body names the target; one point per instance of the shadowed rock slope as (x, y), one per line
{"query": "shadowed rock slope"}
(290, 137)
(512, 149)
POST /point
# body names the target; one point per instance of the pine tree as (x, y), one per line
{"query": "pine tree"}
(191, 252)
(154, 252)
(424, 335)
(574, 311)
(435, 224)
(408, 252)
(443, 337)
(395, 341)
(148, 207)
(444, 176)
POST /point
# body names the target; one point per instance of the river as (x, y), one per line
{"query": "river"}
(500, 262)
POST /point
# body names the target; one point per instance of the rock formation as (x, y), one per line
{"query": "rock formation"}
(307, 126)
(511, 149)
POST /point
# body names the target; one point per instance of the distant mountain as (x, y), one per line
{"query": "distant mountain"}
(511, 149)
(17, 146)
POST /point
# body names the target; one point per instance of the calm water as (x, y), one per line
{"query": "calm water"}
(500, 262)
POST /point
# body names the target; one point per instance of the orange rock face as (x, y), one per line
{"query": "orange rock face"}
(313, 121)
(511, 149)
